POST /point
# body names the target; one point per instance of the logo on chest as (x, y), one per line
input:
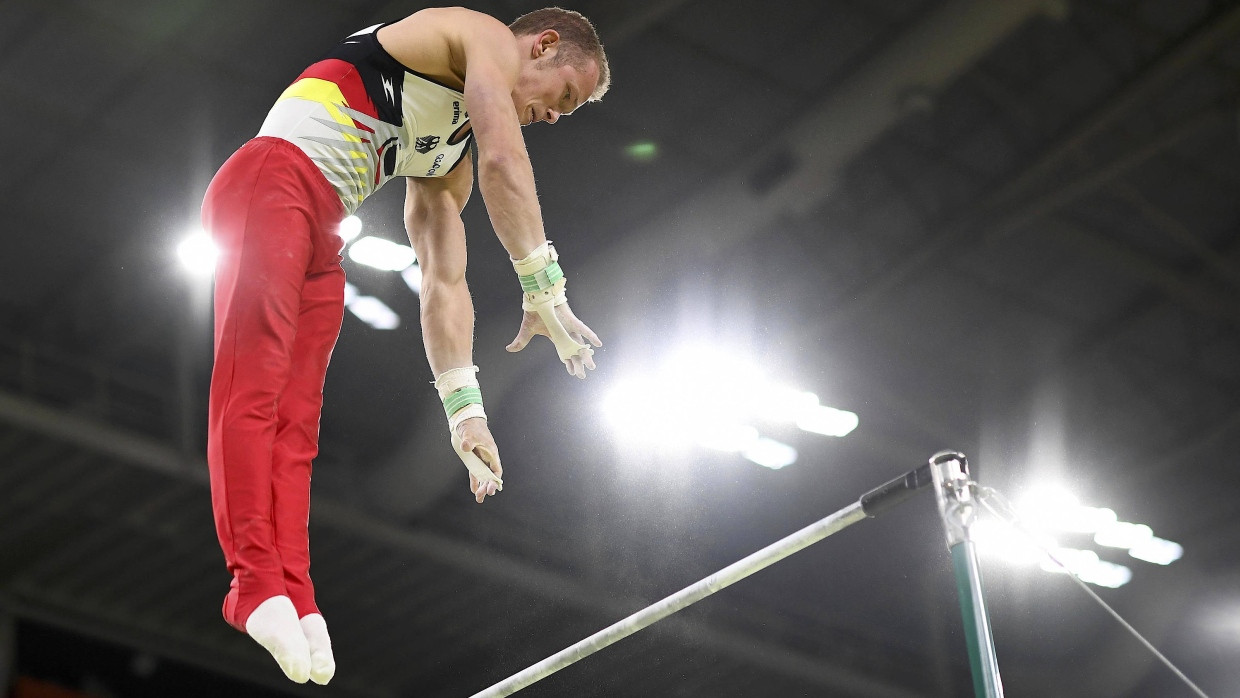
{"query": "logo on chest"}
(425, 144)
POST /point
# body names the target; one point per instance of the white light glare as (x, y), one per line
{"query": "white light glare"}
(1157, 551)
(1122, 534)
(1086, 565)
(1086, 519)
(999, 540)
(1052, 508)
(717, 398)
(732, 438)
(639, 421)
(198, 253)
(777, 403)
(350, 228)
(770, 453)
(727, 388)
(370, 310)
(828, 421)
(1220, 619)
(381, 254)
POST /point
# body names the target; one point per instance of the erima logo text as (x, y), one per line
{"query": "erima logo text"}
(435, 165)
(456, 111)
(426, 144)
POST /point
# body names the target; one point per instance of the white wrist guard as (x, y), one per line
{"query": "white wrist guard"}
(460, 394)
(462, 399)
(543, 283)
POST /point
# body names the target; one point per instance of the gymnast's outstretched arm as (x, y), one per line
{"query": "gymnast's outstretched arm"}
(433, 221)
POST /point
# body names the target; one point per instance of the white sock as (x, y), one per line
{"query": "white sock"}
(322, 663)
(274, 626)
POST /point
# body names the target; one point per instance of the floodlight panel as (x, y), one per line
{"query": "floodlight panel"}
(381, 254)
(827, 421)
(1122, 534)
(702, 395)
(1000, 540)
(779, 403)
(374, 312)
(1106, 574)
(1157, 551)
(198, 253)
(350, 228)
(770, 453)
(731, 438)
(637, 417)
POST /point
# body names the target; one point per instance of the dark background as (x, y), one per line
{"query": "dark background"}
(1009, 228)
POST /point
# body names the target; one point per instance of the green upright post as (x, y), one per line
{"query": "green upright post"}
(958, 508)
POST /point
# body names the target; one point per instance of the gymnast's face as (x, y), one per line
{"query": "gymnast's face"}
(545, 90)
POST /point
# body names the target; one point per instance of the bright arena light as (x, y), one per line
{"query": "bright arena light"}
(731, 438)
(721, 402)
(198, 253)
(350, 228)
(1157, 551)
(635, 420)
(1086, 565)
(370, 310)
(1054, 508)
(770, 453)
(381, 254)
(1121, 534)
(999, 540)
(827, 421)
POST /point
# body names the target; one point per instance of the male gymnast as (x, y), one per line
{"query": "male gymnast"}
(402, 99)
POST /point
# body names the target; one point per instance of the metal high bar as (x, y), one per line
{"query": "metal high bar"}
(871, 504)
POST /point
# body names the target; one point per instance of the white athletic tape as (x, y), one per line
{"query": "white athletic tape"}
(536, 261)
(448, 383)
(544, 301)
(454, 379)
(466, 412)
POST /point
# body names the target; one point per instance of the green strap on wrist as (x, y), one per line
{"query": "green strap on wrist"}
(543, 279)
(461, 397)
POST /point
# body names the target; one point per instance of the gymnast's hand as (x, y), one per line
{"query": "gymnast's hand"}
(473, 442)
(576, 363)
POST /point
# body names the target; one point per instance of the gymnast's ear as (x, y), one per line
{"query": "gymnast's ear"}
(546, 44)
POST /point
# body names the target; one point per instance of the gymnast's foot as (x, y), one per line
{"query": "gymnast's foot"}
(322, 663)
(274, 625)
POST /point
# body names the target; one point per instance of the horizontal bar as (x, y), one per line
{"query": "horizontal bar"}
(685, 597)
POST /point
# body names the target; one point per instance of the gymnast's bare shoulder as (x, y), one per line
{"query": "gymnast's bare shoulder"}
(438, 41)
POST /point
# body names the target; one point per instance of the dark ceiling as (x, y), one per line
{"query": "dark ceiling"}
(1009, 228)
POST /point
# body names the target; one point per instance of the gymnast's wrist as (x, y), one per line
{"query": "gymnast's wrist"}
(542, 279)
(461, 395)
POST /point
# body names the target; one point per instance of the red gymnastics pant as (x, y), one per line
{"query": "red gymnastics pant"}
(279, 302)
